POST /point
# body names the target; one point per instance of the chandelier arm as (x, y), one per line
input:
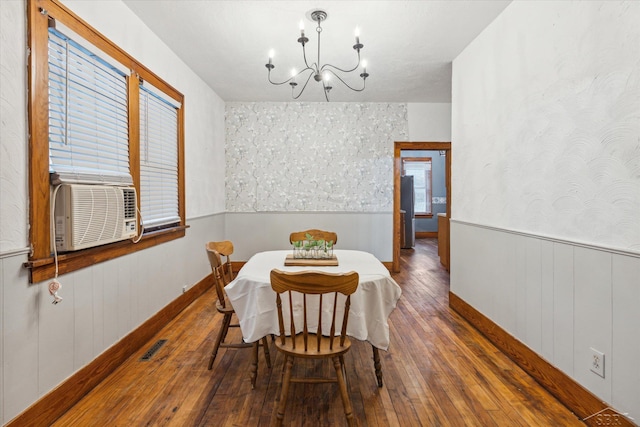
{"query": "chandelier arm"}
(340, 69)
(303, 87)
(364, 82)
(290, 78)
(277, 83)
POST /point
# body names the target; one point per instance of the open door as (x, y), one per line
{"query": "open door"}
(397, 168)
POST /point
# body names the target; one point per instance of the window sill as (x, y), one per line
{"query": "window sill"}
(424, 215)
(44, 268)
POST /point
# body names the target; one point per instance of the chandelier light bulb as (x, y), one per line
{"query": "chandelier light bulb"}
(293, 72)
(301, 28)
(357, 34)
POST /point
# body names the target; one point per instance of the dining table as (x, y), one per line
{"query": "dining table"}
(254, 301)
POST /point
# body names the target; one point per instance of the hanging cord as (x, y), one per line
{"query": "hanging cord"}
(54, 285)
(136, 240)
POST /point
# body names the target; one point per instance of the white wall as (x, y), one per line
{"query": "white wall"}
(43, 344)
(547, 125)
(13, 133)
(546, 185)
(429, 122)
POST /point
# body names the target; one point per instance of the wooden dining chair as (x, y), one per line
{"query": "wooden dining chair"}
(224, 248)
(223, 305)
(327, 236)
(315, 344)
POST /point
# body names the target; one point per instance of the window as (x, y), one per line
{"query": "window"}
(420, 169)
(97, 115)
(158, 160)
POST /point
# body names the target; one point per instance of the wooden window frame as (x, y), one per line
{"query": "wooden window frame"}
(41, 262)
(429, 178)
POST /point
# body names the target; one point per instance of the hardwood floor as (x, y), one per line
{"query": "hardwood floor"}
(439, 371)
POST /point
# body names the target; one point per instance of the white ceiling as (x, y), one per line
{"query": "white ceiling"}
(409, 45)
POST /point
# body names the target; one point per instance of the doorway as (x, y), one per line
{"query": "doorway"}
(400, 146)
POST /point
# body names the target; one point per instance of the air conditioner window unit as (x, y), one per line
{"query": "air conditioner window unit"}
(92, 215)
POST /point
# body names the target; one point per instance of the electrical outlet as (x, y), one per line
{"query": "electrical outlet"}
(597, 362)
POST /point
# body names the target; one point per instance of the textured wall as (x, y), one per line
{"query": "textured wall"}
(312, 156)
(547, 122)
(13, 127)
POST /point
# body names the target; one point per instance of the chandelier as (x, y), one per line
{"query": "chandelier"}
(320, 73)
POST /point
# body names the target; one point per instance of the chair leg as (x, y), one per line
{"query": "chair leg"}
(226, 320)
(376, 364)
(267, 355)
(226, 330)
(288, 365)
(344, 371)
(348, 412)
(254, 364)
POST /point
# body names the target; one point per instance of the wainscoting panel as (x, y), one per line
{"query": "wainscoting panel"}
(563, 297)
(533, 294)
(98, 309)
(56, 338)
(1, 340)
(479, 274)
(560, 299)
(592, 316)
(546, 295)
(626, 333)
(20, 311)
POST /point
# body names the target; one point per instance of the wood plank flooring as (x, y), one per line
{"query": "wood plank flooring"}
(439, 371)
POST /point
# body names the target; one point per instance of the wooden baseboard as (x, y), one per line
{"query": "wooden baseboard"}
(55, 403)
(237, 265)
(425, 234)
(579, 400)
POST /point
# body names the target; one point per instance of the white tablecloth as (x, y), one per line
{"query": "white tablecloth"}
(255, 302)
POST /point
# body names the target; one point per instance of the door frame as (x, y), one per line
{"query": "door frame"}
(398, 147)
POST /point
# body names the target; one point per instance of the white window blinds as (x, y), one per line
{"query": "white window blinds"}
(88, 130)
(158, 159)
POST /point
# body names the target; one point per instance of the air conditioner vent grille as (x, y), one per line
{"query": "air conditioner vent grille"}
(91, 215)
(129, 195)
(97, 213)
